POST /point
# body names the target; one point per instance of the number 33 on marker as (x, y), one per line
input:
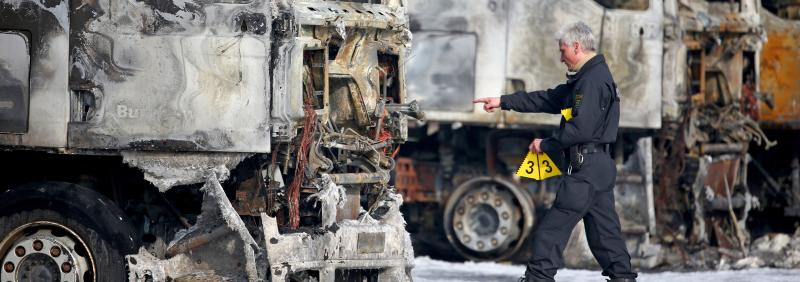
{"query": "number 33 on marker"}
(538, 166)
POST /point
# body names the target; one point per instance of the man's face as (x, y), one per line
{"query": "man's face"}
(569, 55)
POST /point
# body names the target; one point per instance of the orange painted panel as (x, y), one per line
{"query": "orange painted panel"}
(780, 73)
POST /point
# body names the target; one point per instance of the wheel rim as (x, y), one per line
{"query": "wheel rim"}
(45, 251)
(487, 219)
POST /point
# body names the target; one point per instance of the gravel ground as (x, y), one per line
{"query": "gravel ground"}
(429, 270)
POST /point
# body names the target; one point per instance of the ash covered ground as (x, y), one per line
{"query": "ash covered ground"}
(430, 270)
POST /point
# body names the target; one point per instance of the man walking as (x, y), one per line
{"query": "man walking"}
(586, 190)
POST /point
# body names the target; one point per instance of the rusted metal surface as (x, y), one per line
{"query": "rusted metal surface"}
(251, 196)
(779, 72)
(415, 181)
(197, 241)
(721, 174)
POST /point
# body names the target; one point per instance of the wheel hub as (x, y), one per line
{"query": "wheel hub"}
(38, 267)
(44, 253)
(485, 219)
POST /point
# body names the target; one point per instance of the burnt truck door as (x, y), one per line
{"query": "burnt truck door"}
(458, 54)
(33, 73)
(170, 75)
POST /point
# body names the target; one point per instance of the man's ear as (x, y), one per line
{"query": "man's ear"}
(576, 47)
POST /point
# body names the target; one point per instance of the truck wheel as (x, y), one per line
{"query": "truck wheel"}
(56, 231)
(488, 219)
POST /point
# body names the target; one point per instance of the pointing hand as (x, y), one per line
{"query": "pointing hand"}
(489, 103)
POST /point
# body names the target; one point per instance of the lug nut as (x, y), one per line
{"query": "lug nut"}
(498, 202)
(485, 196)
(503, 230)
(480, 245)
(470, 199)
(467, 239)
(9, 267)
(461, 210)
(37, 245)
(19, 251)
(55, 251)
(494, 242)
(459, 225)
(66, 267)
(505, 215)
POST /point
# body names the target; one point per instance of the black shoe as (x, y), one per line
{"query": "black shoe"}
(622, 280)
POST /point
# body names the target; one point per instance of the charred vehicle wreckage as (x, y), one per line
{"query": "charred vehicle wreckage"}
(171, 140)
(707, 156)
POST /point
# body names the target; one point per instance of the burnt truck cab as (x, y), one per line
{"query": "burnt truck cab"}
(277, 121)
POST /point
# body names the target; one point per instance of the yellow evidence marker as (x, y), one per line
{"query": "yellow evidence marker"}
(538, 166)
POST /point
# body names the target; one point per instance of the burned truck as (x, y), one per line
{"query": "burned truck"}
(202, 140)
(699, 83)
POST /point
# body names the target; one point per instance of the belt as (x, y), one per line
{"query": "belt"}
(591, 148)
(576, 153)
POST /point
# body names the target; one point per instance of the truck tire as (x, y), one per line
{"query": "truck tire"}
(55, 231)
(488, 219)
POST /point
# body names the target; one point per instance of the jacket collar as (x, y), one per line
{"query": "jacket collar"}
(596, 60)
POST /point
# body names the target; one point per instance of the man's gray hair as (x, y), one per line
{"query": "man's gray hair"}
(577, 32)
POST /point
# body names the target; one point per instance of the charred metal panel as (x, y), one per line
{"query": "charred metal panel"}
(46, 24)
(363, 243)
(487, 21)
(442, 75)
(630, 40)
(15, 62)
(780, 72)
(218, 247)
(673, 85)
(201, 83)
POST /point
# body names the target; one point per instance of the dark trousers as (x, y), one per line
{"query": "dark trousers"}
(586, 194)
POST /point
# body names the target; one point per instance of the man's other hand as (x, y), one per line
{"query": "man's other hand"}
(536, 146)
(489, 103)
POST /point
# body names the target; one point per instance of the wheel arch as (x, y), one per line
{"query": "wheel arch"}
(95, 210)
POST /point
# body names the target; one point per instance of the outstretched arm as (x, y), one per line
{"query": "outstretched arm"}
(544, 101)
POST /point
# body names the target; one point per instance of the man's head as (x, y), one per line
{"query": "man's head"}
(576, 42)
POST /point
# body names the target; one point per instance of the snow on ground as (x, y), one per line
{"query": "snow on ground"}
(430, 270)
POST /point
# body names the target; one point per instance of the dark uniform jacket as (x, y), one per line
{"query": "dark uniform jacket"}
(592, 95)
